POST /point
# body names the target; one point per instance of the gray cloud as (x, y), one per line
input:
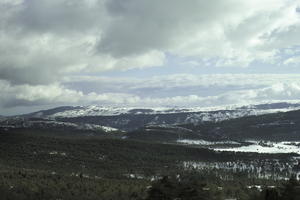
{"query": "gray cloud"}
(57, 94)
(172, 85)
(43, 43)
(58, 38)
(58, 16)
(140, 26)
(237, 32)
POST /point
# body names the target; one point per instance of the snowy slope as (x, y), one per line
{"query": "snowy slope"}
(12, 123)
(206, 114)
(131, 118)
(266, 147)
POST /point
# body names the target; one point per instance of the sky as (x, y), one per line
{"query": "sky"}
(141, 53)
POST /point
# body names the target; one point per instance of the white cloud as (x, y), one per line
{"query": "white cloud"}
(21, 95)
(179, 82)
(43, 40)
(26, 95)
(292, 61)
(45, 45)
(277, 92)
(236, 32)
(54, 94)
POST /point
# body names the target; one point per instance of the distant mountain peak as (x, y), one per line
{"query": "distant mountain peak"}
(95, 110)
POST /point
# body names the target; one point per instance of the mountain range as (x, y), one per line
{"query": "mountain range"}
(262, 121)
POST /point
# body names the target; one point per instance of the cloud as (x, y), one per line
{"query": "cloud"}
(178, 84)
(48, 58)
(55, 94)
(20, 95)
(235, 32)
(292, 61)
(42, 41)
(27, 95)
(274, 93)
(46, 45)
(56, 16)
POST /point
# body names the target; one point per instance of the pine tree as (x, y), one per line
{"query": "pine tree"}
(291, 190)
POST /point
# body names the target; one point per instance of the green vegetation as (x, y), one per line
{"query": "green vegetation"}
(36, 184)
(195, 187)
(43, 166)
(277, 126)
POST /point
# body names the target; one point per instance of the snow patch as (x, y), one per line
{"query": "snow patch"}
(205, 113)
(266, 147)
(204, 142)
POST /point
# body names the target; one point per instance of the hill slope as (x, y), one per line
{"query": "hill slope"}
(277, 126)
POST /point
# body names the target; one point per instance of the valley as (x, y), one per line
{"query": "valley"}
(126, 154)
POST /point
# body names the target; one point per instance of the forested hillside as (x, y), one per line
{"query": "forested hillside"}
(35, 166)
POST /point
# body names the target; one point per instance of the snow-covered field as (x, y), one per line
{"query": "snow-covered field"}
(113, 111)
(266, 147)
(95, 110)
(255, 146)
(204, 142)
(266, 169)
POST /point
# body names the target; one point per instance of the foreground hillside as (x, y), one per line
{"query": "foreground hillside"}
(43, 166)
(283, 126)
(166, 127)
(130, 119)
(277, 126)
(150, 156)
(106, 157)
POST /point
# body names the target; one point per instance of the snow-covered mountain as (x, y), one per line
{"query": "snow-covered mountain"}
(2, 118)
(207, 113)
(45, 124)
(129, 119)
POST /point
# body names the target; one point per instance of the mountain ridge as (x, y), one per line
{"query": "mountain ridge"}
(95, 110)
(167, 125)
